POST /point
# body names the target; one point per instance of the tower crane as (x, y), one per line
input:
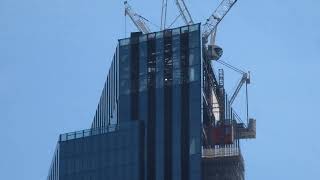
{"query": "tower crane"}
(209, 27)
(137, 19)
(213, 51)
(245, 79)
(184, 12)
(244, 131)
(212, 22)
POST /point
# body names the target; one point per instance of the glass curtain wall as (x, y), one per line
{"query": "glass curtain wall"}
(160, 80)
(158, 77)
(195, 102)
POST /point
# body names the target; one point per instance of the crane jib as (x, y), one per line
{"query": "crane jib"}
(212, 22)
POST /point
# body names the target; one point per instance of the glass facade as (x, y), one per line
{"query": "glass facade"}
(101, 153)
(155, 81)
(162, 88)
(107, 110)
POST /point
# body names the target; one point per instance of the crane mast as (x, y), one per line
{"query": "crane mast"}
(138, 20)
(213, 21)
(185, 13)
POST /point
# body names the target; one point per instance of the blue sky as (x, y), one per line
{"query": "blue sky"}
(54, 57)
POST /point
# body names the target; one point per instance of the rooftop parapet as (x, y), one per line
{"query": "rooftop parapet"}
(96, 131)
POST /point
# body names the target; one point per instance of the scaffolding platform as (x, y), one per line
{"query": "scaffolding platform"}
(223, 168)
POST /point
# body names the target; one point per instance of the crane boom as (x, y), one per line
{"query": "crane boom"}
(185, 13)
(138, 20)
(245, 79)
(212, 22)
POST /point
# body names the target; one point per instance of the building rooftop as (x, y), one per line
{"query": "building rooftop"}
(95, 131)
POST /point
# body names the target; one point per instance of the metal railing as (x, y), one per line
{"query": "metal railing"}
(87, 132)
(221, 151)
(96, 131)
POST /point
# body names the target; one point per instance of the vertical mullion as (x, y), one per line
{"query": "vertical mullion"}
(168, 104)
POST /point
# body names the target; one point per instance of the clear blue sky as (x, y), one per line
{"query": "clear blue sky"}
(54, 57)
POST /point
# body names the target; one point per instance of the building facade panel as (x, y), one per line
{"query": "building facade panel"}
(106, 153)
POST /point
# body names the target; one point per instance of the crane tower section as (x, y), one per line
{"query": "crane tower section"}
(137, 19)
(184, 12)
(212, 22)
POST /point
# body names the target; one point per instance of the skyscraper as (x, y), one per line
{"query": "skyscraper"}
(162, 115)
(154, 84)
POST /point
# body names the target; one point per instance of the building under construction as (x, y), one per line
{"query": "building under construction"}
(164, 113)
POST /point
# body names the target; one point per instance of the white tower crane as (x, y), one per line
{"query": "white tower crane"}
(138, 20)
(245, 79)
(213, 51)
(213, 21)
(184, 12)
(208, 28)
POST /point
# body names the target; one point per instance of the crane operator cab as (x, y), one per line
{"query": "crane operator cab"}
(214, 52)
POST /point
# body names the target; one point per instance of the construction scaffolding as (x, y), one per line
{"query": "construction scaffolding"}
(223, 168)
(222, 129)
